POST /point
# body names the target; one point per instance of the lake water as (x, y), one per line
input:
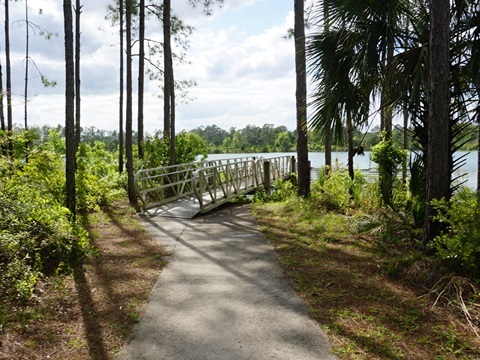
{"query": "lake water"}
(317, 159)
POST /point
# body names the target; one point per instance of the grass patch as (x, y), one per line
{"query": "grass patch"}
(90, 313)
(362, 289)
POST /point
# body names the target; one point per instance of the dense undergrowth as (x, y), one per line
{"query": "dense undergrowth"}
(346, 250)
(383, 217)
(39, 237)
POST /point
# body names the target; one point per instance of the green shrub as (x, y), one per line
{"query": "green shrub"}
(459, 244)
(36, 238)
(389, 159)
(36, 235)
(98, 183)
(333, 191)
(283, 190)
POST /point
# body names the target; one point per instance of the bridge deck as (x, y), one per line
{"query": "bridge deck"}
(184, 190)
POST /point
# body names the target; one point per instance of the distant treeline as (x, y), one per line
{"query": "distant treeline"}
(252, 138)
(269, 138)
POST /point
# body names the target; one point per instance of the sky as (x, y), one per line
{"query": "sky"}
(243, 66)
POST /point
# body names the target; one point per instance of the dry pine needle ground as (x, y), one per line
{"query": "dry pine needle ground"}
(89, 314)
(343, 277)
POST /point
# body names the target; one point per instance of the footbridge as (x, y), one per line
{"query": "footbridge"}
(185, 190)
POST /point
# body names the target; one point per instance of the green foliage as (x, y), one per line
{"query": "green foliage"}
(390, 159)
(188, 146)
(418, 191)
(43, 177)
(54, 142)
(252, 138)
(283, 190)
(36, 235)
(459, 244)
(333, 191)
(98, 183)
(156, 151)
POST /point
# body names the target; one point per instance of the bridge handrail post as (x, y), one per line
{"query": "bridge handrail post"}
(266, 176)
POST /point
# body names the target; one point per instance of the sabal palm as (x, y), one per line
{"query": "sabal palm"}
(338, 95)
(347, 61)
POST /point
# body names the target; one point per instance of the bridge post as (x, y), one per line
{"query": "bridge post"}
(294, 166)
(266, 176)
(309, 172)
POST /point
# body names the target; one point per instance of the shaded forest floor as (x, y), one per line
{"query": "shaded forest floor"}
(89, 314)
(375, 298)
(370, 304)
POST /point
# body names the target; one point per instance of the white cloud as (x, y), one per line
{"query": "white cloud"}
(245, 74)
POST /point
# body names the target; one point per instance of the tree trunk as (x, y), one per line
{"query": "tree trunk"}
(172, 117)
(351, 154)
(120, 101)
(141, 77)
(9, 80)
(478, 136)
(328, 150)
(388, 110)
(328, 130)
(128, 131)
(439, 162)
(169, 83)
(69, 107)
(301, 99)
(405, 142)
(78, 11)
(478, 153)
(2, 112)
(27, 60)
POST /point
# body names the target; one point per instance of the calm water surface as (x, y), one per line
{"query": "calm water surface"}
(317, 159)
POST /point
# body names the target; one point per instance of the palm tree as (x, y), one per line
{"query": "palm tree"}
(340, 93)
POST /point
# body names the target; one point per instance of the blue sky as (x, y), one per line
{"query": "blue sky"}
(243, 66)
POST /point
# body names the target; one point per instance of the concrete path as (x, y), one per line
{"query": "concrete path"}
(222, 296)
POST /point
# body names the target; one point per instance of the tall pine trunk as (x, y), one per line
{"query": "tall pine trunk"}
(141, 77)
(128, 131)
(439, 161)
(69, 107)
(169, 83)
(120, 100)
(78, 11)
(301, 99)
(478, 138)
(27, 61)
(2, 112)
(9, 80)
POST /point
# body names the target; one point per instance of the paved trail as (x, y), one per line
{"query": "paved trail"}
(222, 296)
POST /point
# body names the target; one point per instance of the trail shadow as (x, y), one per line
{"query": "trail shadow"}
(93, 330)
(113, 284)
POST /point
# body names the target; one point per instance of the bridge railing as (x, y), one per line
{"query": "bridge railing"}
(214, 185)
(271, 169)
(164, 184)
(212, 182)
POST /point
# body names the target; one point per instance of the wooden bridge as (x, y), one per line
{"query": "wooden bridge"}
(185, 190)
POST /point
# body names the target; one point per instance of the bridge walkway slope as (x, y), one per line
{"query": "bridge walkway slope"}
(184, 190)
